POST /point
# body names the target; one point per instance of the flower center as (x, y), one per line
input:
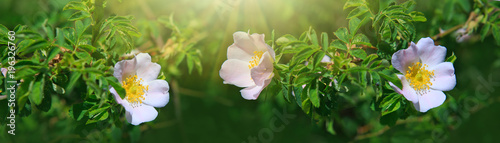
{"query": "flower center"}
(255, 59)
(135, 90)
(419, 77)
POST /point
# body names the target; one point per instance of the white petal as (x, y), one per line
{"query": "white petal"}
(263, 71)
(157, 95)
(430, 100)
(429, 53)
(235, 52)
(253, 92)
(402, 59)
(244, 41)
(116, 95)
(326, 59)
(148, 71)
(4, 72)
(444, 77)
(141, 114)
(142, 58)
(236, 72)
(261, 44)
(408, 92)
(124, 69)
(396, 88)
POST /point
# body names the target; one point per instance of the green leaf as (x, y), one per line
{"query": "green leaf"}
(354, 25)
(117, 86)
(318, 57)
(83, 55)
(103, 108)
(80, 28)
(369, 59)
(305, 78)
(358, 53)
(302, 55)
(418, 16)
(337, 44)
(306, 106)
(449, 10)
(76, 6)
(285, 39)
(314, 97)
(496, 33)
(361, 39)
(495, 4)
(36, 94)
(190, 63)
(58, 89)
(342, 34)
(3, 29)
(29, 46)
(390, 77)
(179, 58)
(79, 15)
(451, 58)
(329, 127)
(53, 52)
(313, 37)
(357, 12)
(75, 76)
(390, 103)
(485, 30)
(353, 3)
(325, 40)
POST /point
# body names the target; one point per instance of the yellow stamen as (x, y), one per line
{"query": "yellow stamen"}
(255, 59)
(419, 77)
(135, 90)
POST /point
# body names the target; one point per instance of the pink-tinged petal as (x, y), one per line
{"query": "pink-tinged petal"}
(430, 100)
(142, 58)
(116, 95)
(148, 71)
(444, 77)
(156, 99)
(235, 52)
(263, 71)
(253, 92)
(408, 92)
(236, 72)
(243, 41)
(326, 59)
(141, 114)
(429, 53)
(157, 95)
(124, 69)
(402, 59)
(4, 71)
(396, 88)
(261, 44)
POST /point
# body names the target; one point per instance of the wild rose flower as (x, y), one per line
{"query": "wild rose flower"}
(249, 64)
(144, 91)
(425, 74)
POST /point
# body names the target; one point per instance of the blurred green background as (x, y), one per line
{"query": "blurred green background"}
(202, 109)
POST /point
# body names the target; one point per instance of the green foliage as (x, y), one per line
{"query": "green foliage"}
(74, 60)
